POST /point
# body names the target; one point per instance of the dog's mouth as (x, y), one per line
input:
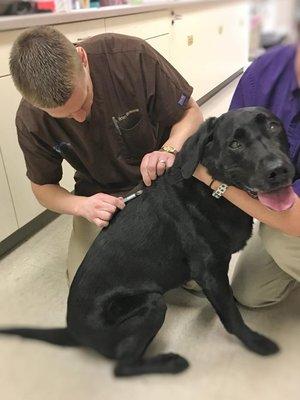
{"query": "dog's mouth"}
(278, 200)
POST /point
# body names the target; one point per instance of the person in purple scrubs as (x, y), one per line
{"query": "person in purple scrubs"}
(268, 269)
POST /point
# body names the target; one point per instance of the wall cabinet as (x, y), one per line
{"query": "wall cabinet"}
(206, 42)
(209, 43)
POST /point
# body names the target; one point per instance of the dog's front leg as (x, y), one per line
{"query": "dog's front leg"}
(215, 284)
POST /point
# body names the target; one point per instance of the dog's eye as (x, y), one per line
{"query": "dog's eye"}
(235, 145)
(273, 126)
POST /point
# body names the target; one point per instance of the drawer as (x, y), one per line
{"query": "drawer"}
(78, 31)
(144, 26)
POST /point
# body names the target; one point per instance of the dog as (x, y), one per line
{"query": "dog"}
(174, 232)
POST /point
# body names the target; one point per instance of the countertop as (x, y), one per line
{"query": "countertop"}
(17, 22)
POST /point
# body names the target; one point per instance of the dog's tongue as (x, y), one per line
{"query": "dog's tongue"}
(279, 200)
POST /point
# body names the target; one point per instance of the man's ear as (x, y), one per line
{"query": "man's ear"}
(193, 150)
(82, 55)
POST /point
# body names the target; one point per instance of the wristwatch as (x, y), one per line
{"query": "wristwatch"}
(169, 149)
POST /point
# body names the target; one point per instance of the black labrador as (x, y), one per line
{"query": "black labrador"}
(176, 231)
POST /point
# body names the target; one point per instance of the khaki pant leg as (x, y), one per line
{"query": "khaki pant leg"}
(82, 236)
(262, 277)
(284, 249)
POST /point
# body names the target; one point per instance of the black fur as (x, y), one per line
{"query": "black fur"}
(174, 232)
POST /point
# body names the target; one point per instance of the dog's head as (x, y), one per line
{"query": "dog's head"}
(246, 148)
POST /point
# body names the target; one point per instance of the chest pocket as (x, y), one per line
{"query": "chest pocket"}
(136, 134)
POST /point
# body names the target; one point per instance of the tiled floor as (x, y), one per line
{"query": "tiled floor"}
(33, 291)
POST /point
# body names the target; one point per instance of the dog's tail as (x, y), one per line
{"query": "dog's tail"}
(58, 336)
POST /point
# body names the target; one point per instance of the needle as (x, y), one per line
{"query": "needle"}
(132, 196)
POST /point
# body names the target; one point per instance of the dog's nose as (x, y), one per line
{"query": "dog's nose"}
(276, 171)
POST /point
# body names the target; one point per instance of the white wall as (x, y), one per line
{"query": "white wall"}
(278, 15)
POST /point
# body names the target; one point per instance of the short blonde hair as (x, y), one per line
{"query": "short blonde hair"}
(44, 65)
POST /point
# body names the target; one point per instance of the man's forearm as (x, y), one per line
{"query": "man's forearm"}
(188, 125)
(57, 199)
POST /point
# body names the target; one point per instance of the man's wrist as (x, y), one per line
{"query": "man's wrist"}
(215, 184)
(76, 206)
(169, 149)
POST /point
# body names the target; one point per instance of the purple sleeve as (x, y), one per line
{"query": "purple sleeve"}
(244, 93)
(296, 187)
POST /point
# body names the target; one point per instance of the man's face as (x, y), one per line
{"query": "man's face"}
(79, 104)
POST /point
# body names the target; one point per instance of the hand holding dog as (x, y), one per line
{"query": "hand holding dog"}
(155, 164)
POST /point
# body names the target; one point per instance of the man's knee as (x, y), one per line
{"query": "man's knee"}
(82, 237)
(264, 296)
(251, 300)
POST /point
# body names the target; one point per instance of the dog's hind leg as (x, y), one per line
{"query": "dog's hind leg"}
(217, 289)
(134, 327)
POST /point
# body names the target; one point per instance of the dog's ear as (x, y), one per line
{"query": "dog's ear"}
(192, 151)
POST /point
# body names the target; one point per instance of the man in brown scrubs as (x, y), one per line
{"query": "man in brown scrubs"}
(112, 106)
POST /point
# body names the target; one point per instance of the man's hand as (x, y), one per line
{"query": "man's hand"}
(99, 208)
(155, 164)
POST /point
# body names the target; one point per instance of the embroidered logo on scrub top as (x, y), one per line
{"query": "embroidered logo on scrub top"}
(182, 100)
(127, 121)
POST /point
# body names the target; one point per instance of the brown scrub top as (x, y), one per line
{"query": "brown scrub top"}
(138, 96)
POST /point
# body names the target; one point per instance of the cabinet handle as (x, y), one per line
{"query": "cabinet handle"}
(175, 17)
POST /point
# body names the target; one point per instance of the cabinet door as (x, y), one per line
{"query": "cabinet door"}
(7, 215)
(184, 54)
(144, 25)
(6, 42)
(162, 45)
(26, 205)
(233, 31)
(209, 43)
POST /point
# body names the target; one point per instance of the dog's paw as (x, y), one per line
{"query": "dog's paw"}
(162, 364)
(172, 363)
(261, 345)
